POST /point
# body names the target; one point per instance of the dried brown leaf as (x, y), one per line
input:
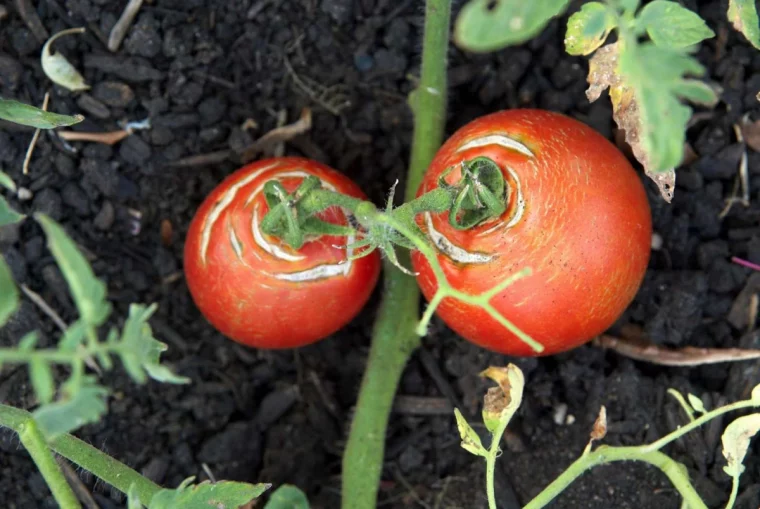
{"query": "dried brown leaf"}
(599, 430)
(603, 75)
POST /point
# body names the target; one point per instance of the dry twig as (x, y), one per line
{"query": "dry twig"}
(122, 26)
(28, 158)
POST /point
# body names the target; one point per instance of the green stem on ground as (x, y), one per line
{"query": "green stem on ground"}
(31, 437)
(394, 336)
(115, 473)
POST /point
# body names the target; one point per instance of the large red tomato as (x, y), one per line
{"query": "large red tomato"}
(253, 287)
(577, 215)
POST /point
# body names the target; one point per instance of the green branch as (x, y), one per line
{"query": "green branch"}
(394, 336)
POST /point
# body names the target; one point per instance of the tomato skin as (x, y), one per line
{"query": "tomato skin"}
(239, 284)
(584, 229)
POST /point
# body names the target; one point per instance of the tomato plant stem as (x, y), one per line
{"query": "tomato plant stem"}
(115, 473)
(31, 437)
(394, 336)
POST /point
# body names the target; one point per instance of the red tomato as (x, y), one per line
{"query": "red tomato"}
(577, 215)
(253, 287)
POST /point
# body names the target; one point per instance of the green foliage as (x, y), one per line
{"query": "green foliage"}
(82, 401)
(482, 26)
(671, 25)
(7, 214)
(25, 114)
(8, 293)
(7, 182)
(220, 495)
(287, 496)
(743, 16)
(588, 28)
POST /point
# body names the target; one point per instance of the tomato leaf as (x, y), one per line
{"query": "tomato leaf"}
(756, 394)
(140, 352)
(287, 496)
(9, 296)
(25, 114)
(588, 28)
(671, 25)
(7, 214)
(42, 380)
(60, 70)
(83, 401)
(743, 16)
(7, 182)
(220, 495)
(736, 439)
(485, 25)
(470, 439)
(500, 404)
(88, 291)
(696, 403)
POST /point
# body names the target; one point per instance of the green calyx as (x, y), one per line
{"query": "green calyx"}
(480, 195)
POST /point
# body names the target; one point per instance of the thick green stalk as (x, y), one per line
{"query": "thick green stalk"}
(115, 473)
(394, 336)
(31, 437)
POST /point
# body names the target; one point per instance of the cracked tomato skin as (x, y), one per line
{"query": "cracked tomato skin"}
(254, 288)
(577, 216)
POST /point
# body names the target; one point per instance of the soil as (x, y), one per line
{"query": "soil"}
(199, 69)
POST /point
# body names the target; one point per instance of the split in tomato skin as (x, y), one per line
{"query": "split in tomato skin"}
(253, 287)
(577, 215)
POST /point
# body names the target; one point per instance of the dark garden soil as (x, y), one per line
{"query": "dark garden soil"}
(199, 69)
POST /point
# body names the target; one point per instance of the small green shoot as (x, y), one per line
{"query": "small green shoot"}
(287, 496)
(220, 495)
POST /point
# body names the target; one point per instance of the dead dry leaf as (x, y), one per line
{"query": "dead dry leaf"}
(60, 70)
(270, 140)
(599, 430)
(603, 75)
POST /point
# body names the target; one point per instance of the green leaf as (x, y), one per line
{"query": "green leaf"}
(88, 291)
(682, 401)
(28, 342)
(696, 403)
(630, 5)
(81, 403)
(485, 25)
(588, 28)
(133, 500)
(220, 495)
(756, 394)
(60, 70)
(25, 114)
(9, 296)
(287, 496)
(671, 25)
(743, 16)
(7, 182)
(470, 439)
(7, 214)
(656, 75)
(42, 380)
(736, 439)
(140, 351)
(73, 337)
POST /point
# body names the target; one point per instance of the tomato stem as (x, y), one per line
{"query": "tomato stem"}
(394, 337)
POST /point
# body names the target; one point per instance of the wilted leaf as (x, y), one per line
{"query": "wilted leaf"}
(672, 25)
(60, 70)
(25, 114)
(645, 84)
(7, 214)
(7, 182)
(220, 495)
(141, 351)
(88, 291)
(488, 25)
(470, 439)
(736, 439)
(588, 28)
(8, 292)
(511, 383)
(287, 496)
(42, 380)
(599, 430)
(80, 404)
(696, 403)
(743, 16)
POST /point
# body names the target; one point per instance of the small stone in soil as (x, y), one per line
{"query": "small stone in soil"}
(98, 151)
(10, 72)
(212, 110)
(144, 39)
(93, 107)
(105, 217)
(74, 197)
(48, 202)
(64, 165)
(113, 93)
(134, 150)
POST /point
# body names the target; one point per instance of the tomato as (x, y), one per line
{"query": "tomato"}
(253, 287)
(577, 215)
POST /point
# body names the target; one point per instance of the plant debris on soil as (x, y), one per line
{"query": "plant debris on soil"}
(213, 77)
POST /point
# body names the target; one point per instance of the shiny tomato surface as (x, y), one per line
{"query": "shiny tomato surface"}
(253, 287)
(577, 216)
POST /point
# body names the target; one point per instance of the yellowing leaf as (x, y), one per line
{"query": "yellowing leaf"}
(498, 410)
(696, 403)
(646, 84)
(743, 16)
(736, 439)
(60, 70)
(470, 439)
(588, 28)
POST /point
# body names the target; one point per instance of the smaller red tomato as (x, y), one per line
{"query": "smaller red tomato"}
(253, 287)
(577, 215)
